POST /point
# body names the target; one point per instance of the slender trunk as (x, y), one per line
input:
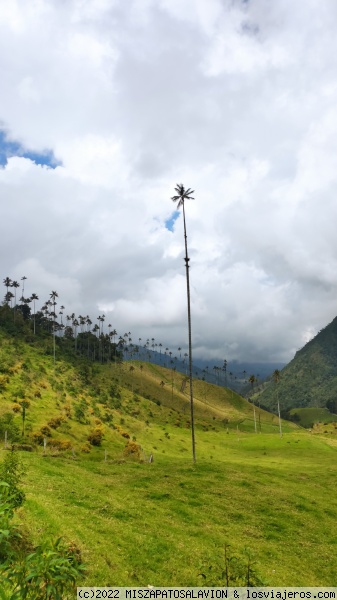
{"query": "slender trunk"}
(54, 342)
(189, 336)
(279, 415)
(254, 417)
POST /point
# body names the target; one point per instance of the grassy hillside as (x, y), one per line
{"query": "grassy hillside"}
(165, 522)
(310, 379)
(307, 417)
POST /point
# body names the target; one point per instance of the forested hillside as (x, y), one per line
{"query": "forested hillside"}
(310, 379)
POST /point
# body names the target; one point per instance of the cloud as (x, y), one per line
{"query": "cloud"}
(234, 99)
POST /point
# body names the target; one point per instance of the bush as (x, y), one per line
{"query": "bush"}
(23, 447)
(8, 424)
(86, 448)
(95, 436)
(11, 472)
(46, 431)
(4, 379)
(132, 450)
(234, 571)
(60, 444)
(7, 532)
(48, 573)
(56, 422)
(38, 438)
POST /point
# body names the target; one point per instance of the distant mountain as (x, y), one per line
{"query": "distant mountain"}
(235, 377)
(310, 379)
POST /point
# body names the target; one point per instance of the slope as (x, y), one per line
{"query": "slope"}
(310, 379)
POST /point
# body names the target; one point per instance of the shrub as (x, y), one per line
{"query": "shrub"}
(125, 434)
(86, 448)
(7, 531)
(56, 422)
(48, 573)
(132, 450)
(46, 431)
(8, 424)
(16, 408)
(4, 379)
(67, 410)
(236, 571)
(95, 436)
(23, 447)
(11, 472)
(60, 444)
(38, 438)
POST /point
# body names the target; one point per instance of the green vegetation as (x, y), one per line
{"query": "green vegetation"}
(45, 572)
(310, 379)
(308, 417)
(255, 507)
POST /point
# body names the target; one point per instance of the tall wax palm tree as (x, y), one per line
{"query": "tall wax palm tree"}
(53, 296)
(276, 377)
(7, 283)
(252, 380)
(89, 323)
(15, 285)
(182, 195)
(9, 297)
(23, 279)
(34, 297)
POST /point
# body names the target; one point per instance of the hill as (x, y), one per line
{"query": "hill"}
(310, 379)
(164, 522)
(308, 417)
(71, 400)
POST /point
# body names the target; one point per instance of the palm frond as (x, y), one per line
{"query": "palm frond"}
(182, 194)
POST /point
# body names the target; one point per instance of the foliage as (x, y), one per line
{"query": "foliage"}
(234, 571)
(95, 436)
(50, 570)
(11, 472)
(310, 379)
(332, 406)
(48, 573)
(7, 532)
(80, 411)
(56, 422)
(7, 423)
(132, 450)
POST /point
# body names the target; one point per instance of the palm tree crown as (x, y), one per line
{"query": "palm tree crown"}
(182, 194)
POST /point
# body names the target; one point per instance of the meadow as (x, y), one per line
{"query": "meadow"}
(167, 522)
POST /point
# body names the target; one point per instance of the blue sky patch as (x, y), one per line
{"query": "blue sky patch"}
(10, 148)
(169, 223)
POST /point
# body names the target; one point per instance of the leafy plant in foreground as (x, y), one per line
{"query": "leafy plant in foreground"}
(234, 571)
(11, 472)
(48, 573)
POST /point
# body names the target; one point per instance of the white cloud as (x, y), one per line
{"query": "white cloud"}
(234, 99)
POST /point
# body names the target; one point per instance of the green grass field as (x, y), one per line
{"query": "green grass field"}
(164, 523)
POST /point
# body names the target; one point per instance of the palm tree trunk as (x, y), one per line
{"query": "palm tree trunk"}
(279, 415)
(189, 336)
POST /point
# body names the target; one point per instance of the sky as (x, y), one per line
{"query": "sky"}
(106, 105)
